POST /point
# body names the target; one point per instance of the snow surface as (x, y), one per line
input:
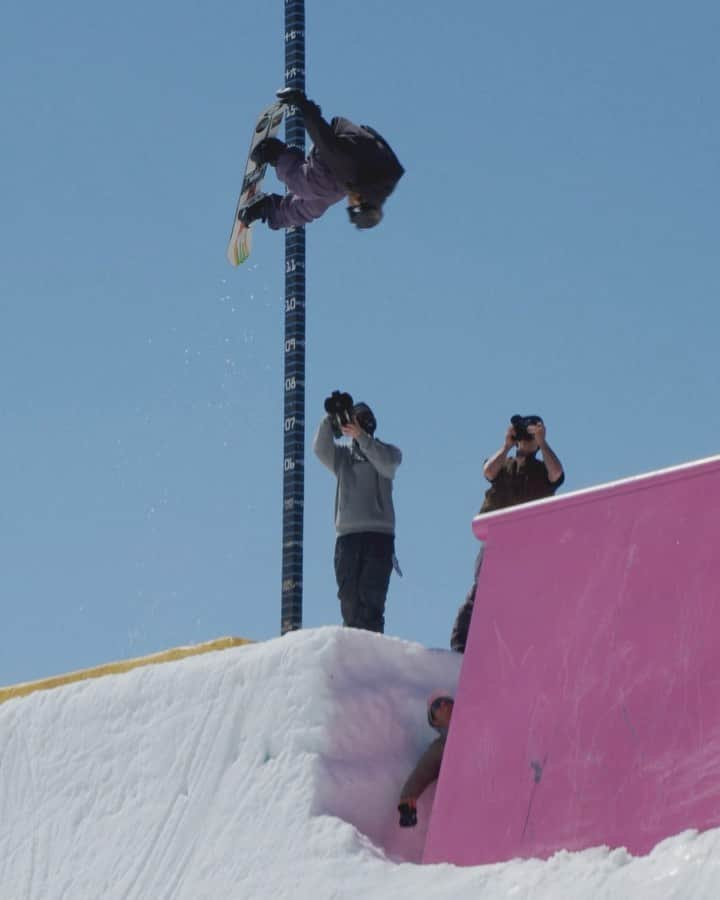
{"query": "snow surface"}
(266, 771)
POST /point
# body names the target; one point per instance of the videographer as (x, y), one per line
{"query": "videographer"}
(513, 480)
(439, 712)
(364, 512)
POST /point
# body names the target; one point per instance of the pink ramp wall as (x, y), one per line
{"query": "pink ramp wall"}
(588, 708)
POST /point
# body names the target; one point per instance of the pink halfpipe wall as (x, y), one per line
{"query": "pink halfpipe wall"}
(588, 708)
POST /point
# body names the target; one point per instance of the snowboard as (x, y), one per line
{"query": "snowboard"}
(268, 125)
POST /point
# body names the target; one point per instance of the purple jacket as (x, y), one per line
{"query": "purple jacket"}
(345, 158)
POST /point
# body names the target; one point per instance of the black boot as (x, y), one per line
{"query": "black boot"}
(258, 209)
(268, 151)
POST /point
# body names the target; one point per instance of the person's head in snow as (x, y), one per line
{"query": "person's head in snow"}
(440, 706)
(347, 160)
(439, 711)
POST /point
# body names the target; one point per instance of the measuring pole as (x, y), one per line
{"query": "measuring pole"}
(294, 349)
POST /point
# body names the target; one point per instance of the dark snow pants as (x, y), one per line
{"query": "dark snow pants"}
(461, 626)
(363, 565)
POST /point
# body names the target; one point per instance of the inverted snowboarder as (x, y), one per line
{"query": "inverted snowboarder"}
(347, 160)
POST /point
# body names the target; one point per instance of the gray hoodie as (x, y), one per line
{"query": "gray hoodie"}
(364, 470)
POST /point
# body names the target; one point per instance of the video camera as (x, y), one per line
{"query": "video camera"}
(520, 426)
(408, 815)
(339, 406)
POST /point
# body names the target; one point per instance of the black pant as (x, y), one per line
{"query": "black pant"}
(461, 626)
(363, 564)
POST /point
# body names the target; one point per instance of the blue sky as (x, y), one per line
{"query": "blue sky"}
(553, 248)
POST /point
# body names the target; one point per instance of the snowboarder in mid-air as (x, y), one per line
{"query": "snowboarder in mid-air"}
(347, 160)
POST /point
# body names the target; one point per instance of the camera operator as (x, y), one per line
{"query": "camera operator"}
(364, 512)
(513, 480)
(439, 712)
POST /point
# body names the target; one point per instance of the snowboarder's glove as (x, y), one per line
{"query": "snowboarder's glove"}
(268, 151)
(295, 97)
(254, 211)
(408, 815)
(291, 96)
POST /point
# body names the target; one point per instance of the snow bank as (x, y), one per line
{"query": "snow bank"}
(270, 770)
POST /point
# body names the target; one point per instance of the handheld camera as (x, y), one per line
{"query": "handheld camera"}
(520, 426)
(339, 407)
(408, 815)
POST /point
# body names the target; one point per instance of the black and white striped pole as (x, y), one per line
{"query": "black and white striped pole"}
(294, 349)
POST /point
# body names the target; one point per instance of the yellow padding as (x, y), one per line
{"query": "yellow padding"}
(114, 668)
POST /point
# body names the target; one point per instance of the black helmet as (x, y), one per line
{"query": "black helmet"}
(365, 418)
(364, 215)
